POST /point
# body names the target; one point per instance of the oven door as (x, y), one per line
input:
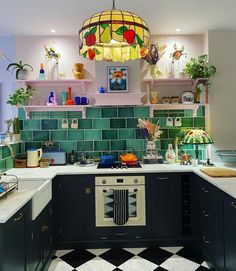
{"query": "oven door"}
(105, 205)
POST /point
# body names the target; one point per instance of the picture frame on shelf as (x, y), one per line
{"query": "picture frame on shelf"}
(117, 79)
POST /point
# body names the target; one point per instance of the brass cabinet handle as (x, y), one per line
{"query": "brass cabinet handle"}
(19, 217)
(205, 240)
(44, 228)
(233, 204)
(204, 190)
(87, 190)
(204, 213)
(163, 178)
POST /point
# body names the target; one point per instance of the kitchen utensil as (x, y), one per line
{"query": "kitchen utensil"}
(227, 156)
(74, 124)
(64, 124)
(69, 101)
(84, 100)
(107, 160)
(55, 157)
(129, 158)
(33, 157)
(77, 100)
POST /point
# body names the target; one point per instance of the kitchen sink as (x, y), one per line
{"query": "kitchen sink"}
(42, 196)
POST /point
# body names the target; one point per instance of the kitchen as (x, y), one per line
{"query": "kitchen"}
(113, 129)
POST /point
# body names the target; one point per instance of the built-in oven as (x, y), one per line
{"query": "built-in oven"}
(120, 201)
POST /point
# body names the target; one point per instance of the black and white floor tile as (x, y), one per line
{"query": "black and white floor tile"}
(129, 259)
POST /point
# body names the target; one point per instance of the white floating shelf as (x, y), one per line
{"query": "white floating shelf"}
(169, 81)
(45, 108)
(58, 82)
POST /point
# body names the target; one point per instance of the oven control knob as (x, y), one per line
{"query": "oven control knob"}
(104, 181)
(135, 180)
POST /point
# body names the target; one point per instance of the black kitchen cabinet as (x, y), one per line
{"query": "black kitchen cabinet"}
(73, 210)
(13, 241)
(165, 206)
(208, 221)
(229, 232)
(41, 240)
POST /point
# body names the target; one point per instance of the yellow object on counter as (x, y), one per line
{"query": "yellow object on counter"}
(219, 172)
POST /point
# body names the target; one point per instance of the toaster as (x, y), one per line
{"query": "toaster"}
(55, 157)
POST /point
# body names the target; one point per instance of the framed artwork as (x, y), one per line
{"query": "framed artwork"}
(117, 78)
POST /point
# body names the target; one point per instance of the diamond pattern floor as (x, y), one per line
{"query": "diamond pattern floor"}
(129, 259)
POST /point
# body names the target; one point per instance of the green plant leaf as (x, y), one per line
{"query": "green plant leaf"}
(121, 30)
(17, 65)
(27, 65)
(93, 30)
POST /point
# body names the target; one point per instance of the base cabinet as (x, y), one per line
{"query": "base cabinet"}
(41, 240)
(13, 241)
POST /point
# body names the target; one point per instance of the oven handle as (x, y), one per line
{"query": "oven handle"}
(111, 190)
(120, 233)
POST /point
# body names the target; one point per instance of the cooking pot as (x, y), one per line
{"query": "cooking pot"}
(107, 160)
(129, 158)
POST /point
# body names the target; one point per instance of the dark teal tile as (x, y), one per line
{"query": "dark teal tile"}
(165, 142)
(3, 165)
(0, 153)
(21, 113)
(137, 144)
(74, 114)
(109, 134)
(174, 114)
(85, 124)
(140, 155)
(125, 112)
(16, 148)
(160, 113)
(58, 135)
(50, 124)
(109, 112)
(188, 113)
(187, 122)
(92, 134)
(9, 163)
(40, 135)
(26, 135)
(118, 145)
(117, 123)
(85, 145)
(32, 145)
(101, 123)
(113, 153)
(141, 112)
(126, 134)
(39, 115)
(199, 122)
(30, 125)
(58, 115)
(132, 123)
(173, 133)
(68, 146)
(201, 111)
(93, 112)
(93, 154)
(75, 134)
(101, 145)
(139, 134)
(5, 152)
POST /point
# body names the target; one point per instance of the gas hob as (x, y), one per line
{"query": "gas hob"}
(118, 165)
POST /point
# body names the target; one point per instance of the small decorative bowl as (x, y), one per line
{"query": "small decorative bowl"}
(227, 156)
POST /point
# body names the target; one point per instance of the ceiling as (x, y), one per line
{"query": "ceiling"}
(27, 17)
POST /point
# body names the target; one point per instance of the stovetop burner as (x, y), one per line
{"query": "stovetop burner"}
(118, 165)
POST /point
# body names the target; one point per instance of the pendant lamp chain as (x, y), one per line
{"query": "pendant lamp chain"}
(113, 6)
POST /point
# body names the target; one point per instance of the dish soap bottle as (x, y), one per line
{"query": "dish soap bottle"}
(41, 72)
(71, 157)
(170, 154)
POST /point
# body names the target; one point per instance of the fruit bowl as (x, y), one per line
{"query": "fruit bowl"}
(227, 156)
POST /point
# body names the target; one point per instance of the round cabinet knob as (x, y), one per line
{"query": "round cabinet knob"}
(135, 180)
(104, 181)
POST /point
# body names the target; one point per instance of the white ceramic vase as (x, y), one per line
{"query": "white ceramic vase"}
(170, 154)
(51, 68)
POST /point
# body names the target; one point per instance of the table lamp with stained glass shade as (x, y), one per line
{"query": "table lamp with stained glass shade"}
(197, 137)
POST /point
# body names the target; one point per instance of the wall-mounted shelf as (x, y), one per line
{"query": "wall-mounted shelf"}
(45, 108)
(169, 81)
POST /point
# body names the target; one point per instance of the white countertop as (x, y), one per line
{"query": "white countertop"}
(15, 201)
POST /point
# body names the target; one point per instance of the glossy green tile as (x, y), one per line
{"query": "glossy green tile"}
(199, 122)
(74, 114)
(50, 124)
(188, 113)
(140, 155)
(187, 122)
(201, 111)
(137, 144)
(101, 123)
(132, 122)
(85, 145)
(126, 134)
(117, 123)
(139, 134)
(93, 154)
(125, 112)
(32, 145)
(92, 134)
(68, 146)
(109, 134)
(93, 112)
(26, 135)
(30, 125)
(160, 113)
(16, 148)
(109, 112)
(85, 124)
(164, 134)
(21, 113)
(118, 145)
(1, 153)
(40, 135)
(176, 113)
(5, 152)
(141, 112)
(58, 115)
(165, 142)
(162, 122)
(75, 134)
(113, 153)
(3, 165)
(9, 163)
(101, 145)
(58, 135)
(39, 115)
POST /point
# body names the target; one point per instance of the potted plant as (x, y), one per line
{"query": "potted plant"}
(18, 98)
(22, 72)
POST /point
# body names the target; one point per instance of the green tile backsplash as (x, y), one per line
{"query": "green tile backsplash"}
(105, 130)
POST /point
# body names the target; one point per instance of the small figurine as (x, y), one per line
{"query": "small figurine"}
(176, 55)
(185, 158)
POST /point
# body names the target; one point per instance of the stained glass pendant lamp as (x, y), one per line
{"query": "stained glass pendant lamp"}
(196, 137)
(114, 35)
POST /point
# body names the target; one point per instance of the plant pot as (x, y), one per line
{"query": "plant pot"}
(16, 126)
(22, 74)
(16, 137)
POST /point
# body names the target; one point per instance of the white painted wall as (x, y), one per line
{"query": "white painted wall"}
(222, 46)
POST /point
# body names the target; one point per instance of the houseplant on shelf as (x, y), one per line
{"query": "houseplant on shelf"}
(19, 98)
(22, 70)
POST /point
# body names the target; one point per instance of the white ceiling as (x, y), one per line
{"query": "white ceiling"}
(31, 17)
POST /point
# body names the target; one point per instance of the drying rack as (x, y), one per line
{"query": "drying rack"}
(8, 186)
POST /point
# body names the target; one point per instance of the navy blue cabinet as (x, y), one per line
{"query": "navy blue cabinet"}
(73, 210)
(13, 241)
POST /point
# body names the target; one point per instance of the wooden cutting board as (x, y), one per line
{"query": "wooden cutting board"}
(219, 172)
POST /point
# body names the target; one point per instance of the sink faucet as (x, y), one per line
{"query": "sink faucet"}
(83, 159)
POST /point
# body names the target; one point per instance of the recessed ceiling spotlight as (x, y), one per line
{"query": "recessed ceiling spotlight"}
(178, 29)
(53, 31)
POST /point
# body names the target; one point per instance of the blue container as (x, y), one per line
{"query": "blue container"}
(107, 160)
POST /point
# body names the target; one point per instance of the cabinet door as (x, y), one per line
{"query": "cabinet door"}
(166, 206)
(229, 233)
(74, 208)
(14, 242)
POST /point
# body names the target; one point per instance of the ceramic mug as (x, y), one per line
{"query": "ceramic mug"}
(77, 100)
(84, 100)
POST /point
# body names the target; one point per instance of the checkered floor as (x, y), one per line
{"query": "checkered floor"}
(129, 259)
